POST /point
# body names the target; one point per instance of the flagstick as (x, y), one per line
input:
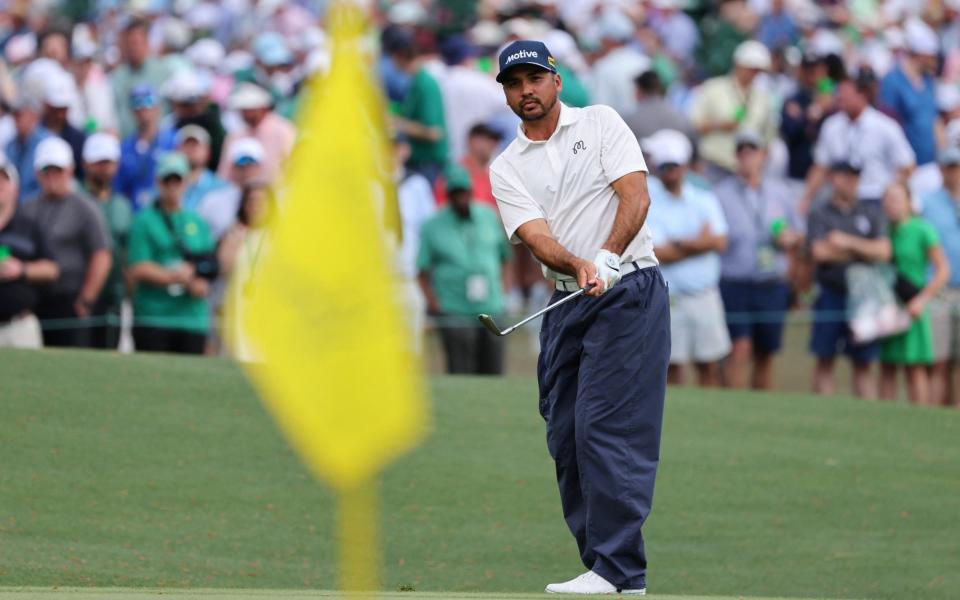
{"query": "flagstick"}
(358, 539)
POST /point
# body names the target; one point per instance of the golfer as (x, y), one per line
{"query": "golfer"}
(572, 187)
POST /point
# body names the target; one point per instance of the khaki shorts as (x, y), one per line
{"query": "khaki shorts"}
(698, 328)
(945, 322)
(21, 332)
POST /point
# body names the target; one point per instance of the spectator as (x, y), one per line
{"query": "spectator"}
(753, 269)
(469, 96)
(421, 114)
(460, 262)
(23, 147)
(137, 68)
(677, 30)
(777, 29)
(916, 249)
(239, 252)
(729, 103)
(654, 112)
(96, 94)
(139, 152)
(722, 33)
(910, 91)
(841, 232)
(101, 155)
(59, 94)
(941, 209)
(689, 230)
(482, 142)
(193, 141)
(189, 94)
(417, 205)
(801, 119)
(79, 243)
(860, 135)
(169, 298)
(619, 63)
(270, 129)
(24, 263)
(218, 207)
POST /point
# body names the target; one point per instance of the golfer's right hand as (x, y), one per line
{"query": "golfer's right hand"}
(587, 275)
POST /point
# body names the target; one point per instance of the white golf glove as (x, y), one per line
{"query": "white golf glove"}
(608, 268)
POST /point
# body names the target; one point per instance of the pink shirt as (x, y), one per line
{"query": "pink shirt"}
(277, 136)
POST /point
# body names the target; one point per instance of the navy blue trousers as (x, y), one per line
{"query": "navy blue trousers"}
(603, 373)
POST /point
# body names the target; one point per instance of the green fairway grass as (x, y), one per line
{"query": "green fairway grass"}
(134, 594)
(165, 472)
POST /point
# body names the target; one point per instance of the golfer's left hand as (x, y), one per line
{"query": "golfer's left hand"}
(608, 269)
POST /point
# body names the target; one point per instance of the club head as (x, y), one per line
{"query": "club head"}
(487, 321)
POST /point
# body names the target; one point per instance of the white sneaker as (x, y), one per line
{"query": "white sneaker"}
(590, 583)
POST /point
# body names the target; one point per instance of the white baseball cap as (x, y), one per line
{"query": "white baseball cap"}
(752, 54)
(186, 85)
(207, 53)
(921, 39)
(249, 96)
(668, 146)
(101, 146)
(192, 132)
(248, 148)
(53, 152)
(58, 91)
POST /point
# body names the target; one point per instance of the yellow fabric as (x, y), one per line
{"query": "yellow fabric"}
(334, 361)
(721, 100)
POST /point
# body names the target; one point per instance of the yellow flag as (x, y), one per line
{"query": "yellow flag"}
(335, 364)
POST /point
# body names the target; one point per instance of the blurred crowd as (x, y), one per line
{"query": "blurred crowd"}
(801, 151)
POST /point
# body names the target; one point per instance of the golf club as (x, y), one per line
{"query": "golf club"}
(491, 326)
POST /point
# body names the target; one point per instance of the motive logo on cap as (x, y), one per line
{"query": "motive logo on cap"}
(526, 52)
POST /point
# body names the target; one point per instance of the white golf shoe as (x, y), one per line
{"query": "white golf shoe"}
(590, 583)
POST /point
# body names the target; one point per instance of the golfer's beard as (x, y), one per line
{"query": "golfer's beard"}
(534, 117)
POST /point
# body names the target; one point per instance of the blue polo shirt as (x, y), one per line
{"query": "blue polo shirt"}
(916, 110)
(672, 218)
(750, 215)
(943, 212)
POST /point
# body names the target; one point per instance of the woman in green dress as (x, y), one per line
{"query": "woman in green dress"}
(916, 248)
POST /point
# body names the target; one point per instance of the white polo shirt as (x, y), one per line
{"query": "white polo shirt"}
(566, 180)
(874, 141)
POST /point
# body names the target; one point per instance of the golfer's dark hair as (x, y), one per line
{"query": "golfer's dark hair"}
(650, 84)
(243, 215)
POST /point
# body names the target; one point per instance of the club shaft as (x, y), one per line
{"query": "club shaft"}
(577, 293)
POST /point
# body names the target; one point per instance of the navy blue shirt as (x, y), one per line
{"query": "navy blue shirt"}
(22, 239)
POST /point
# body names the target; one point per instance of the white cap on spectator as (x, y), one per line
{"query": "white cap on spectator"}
(21, 48)
(203, 15)
(948, 97)
(617, 26)
(176, 34)
(245, 148)
(894, 38)
(237, 60)
(668, 4)
(920, 38)
(953, 133)
(59, 91)
(186, 85)
(488, 33)
(192, 132)
(564, 48)
(825, 42)
(407, 12)
(52, 152)
(101, 146)
(668, 146)
(752, 54)
(250, 96)
(8, 167)
(207, 53)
